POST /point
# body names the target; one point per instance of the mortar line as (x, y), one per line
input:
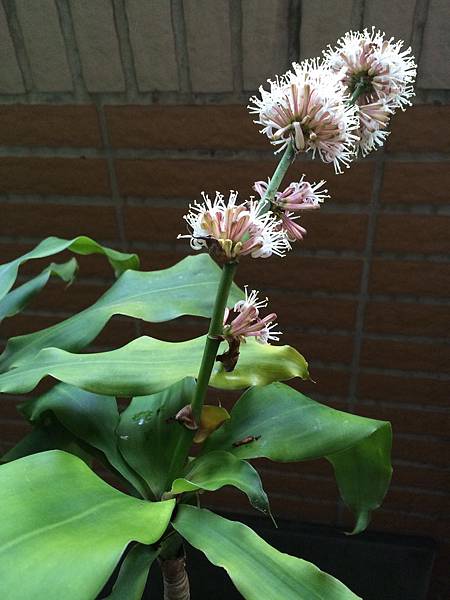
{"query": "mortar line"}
(357, 15)
(65, 19)
(122, 28)
(181, 48)
(117, 199)
(235, 11)
(419, 23)
(115, 193)
(177, 98)
(16, 33)
(294, 31)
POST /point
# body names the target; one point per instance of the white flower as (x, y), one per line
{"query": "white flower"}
(373, 119)
(231, 230)
(309, 107)
(380, 66)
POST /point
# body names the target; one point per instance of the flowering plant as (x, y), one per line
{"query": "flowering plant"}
(67, 528)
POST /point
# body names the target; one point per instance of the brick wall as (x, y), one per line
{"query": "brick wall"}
(96, 138)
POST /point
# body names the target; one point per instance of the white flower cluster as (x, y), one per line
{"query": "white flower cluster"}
(230, 230)
(341, 104)
(380, 74)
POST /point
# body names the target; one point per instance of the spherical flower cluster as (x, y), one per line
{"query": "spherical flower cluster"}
(380, 77)
(298, 196)
(247, 322)
(230, 230)
(244, 322)
(308, 107)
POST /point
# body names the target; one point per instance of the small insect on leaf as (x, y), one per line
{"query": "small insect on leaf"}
(246, 440)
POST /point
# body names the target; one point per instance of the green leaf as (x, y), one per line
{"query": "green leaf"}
(218, 469)
(291, 427)
(63, 529)
(187, 288)
(53, 245)
(48, 435)
(16, 300)
(363, 473)
(91, 418)
(133, 574)
(257, 569)
(146, 366)
(151, 441)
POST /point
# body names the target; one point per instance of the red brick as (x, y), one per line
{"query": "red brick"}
(390, 388)
(325, 231)
(46, 125)
(408, 420)
(184, 328)
(416, 183)
(299, 310)
(152, 260)
(301, 274)
(187, 178)
(409, 277)
(422, 128)
(427, 234)
(407, 319)
(326, 382)
(64, 176)
(422, 450)
(301, 509)
(278, 482)
(55, 296)
(117, 332)
(24, 323)
(43, 220)
(154, 224)
(406, 355)
(182, 127)
(425, 477)
(415, 500)
(327, 348)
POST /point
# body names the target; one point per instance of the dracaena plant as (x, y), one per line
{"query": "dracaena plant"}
(63, 529)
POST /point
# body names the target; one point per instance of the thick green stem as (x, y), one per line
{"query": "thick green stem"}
(277, 177)
(216, 325)
(213, 338)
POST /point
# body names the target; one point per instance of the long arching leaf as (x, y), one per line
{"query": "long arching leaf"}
(187, 288)
(17, 299)
(282, 424)
(146, 366)
(53, 245)
(63, 529)
(257, 569)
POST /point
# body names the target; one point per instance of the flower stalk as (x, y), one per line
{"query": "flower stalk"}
(213, 338)
(286, 160)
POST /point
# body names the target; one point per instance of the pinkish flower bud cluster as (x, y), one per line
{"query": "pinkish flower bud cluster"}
(298, 196)
(230, 230)
(244, 321)
(381, 72)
